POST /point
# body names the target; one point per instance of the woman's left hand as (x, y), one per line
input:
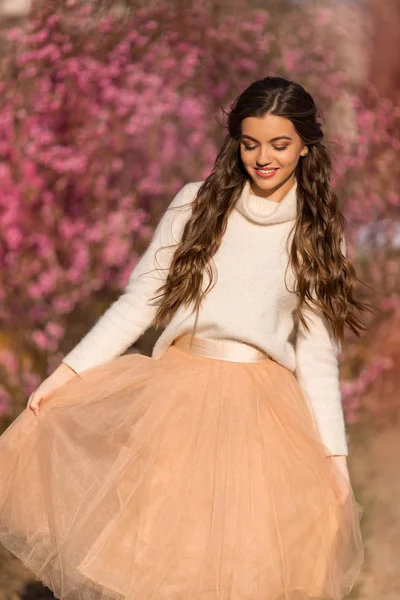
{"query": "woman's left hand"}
(341, 475)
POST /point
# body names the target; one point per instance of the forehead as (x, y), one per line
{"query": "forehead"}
(268, 126)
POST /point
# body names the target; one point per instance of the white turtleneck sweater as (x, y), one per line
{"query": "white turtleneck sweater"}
(249, 303)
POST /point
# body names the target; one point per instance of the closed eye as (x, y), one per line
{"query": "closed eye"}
(279, 148)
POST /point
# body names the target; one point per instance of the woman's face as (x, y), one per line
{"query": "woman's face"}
(270, 149)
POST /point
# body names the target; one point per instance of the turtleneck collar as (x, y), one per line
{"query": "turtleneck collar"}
(265, 211)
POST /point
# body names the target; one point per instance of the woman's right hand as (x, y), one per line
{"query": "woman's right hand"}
(60, 376)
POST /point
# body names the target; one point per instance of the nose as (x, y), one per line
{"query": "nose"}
(263, 159)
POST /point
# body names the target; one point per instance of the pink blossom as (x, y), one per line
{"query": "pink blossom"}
(103, 119)
(13, 237)
(15, 34)
(9, 361)
(62, 305)
(31, 382)
(55, 330)
(41, 339)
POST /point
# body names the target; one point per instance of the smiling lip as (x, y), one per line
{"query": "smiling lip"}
(266, 175)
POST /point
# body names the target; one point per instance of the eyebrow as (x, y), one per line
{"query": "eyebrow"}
(274, 139)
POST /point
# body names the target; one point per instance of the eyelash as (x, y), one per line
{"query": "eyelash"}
(254, 147)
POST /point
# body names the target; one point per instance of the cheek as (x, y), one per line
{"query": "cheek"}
(248, 158)
(289, 159)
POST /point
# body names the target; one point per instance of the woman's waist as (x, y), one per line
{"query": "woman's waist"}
(220, 349)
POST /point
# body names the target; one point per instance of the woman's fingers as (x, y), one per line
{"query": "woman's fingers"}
(33, 403)
(342, 479)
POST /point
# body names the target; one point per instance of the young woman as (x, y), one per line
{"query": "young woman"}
(215, 469)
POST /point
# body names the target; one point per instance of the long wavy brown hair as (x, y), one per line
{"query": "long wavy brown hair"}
(325, 278)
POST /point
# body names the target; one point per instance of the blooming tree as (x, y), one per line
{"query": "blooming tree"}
(104, 116)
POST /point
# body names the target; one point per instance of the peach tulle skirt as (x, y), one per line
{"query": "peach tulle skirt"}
(186, 477)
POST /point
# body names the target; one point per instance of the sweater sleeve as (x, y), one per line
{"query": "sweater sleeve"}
(133, 312)
(317, 371)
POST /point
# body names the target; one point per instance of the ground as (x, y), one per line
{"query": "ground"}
(375, 470)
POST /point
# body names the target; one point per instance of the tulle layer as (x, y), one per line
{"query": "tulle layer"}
(185, 478)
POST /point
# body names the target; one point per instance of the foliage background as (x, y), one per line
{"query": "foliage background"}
(105, 111)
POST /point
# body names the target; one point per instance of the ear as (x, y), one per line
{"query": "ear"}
(304, 151)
